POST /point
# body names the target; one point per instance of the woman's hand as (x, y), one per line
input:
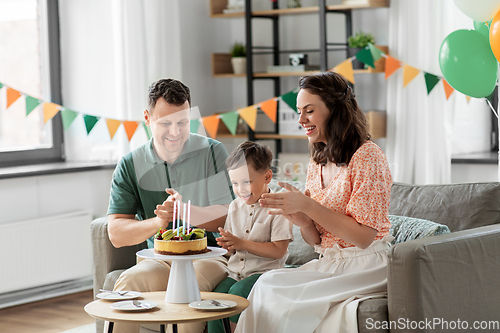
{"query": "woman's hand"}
(286, 203)
(229, 241)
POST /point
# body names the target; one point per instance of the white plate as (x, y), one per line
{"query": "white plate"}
(129, 306)
(206, 305)
(115, 297)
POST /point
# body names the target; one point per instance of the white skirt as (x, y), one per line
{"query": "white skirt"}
(320, 296)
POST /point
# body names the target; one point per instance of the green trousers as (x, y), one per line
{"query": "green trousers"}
(231, 286)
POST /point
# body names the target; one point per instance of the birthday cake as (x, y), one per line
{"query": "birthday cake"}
(180, 242)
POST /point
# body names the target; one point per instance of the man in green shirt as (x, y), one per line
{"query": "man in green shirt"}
(174, 162)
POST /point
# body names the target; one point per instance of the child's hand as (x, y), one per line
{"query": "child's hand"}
(229, 241)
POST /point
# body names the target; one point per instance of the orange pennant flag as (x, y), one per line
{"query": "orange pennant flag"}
(130, 127)
(270, 108)
(49, 111)
(12, 96)
(249, 115)
(113, 125)
(409, 73)
(448, 90)
(468, 97)
(211, 124)
(391, 65)
(345, 69)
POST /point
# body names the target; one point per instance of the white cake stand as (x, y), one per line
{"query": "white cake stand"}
(182, 284)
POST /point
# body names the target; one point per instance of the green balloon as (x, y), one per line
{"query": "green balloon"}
(483, 28)
(468, 64)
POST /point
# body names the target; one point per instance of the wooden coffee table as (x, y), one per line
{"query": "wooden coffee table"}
(166, 313)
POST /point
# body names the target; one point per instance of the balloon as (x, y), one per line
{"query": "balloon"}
(495, 35)
(479, 10)
(467, 63)
(482, 28)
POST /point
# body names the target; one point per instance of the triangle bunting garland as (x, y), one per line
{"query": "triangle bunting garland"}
(270, 108)
(448, 90)
(369, 55)
(148, 130)
(365, 56)
(12, 96)
(345, 69)
(211, 124)
(290, 98)
(430, 81)
(130, 127)
(31, 104)
(90, 122)
(249, 115)
(193, 125)
(49, 111)
(391, 65)
(230, 119)
(409, 73)
(376, 52)
(113, 125)
(67, 117)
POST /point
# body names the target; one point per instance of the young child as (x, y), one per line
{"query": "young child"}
(257, 241)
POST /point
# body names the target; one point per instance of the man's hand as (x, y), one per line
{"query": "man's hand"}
(165, 211)
(229, 241)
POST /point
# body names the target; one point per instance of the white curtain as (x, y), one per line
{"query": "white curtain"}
(420, 126)
(111, 51)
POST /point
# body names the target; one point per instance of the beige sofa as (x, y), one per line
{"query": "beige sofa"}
(449, 279)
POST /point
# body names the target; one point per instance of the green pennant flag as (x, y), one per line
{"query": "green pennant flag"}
(67, 117)
(147, 130)
(194, 125)
(375, 51)
(90, 122)
(31, 104)
(430, 81)
(365, 56)
(1, 85)
(290, 98)
(230, 119)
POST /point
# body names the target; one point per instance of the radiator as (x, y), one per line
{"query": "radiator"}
(45, 251)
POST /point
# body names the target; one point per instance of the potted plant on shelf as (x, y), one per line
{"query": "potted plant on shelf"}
(357, 42)
(238, 58)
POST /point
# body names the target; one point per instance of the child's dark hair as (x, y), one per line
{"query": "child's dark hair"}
(250, 152)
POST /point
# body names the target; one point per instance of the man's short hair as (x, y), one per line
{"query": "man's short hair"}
(172, 91)
(249, 152)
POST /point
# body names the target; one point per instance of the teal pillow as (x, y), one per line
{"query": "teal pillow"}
(405, 228)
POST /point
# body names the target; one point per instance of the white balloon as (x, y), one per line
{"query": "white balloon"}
(479, 10)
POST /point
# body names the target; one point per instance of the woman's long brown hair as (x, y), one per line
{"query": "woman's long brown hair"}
(346, 127)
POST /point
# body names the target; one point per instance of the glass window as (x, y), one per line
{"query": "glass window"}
(27, 45)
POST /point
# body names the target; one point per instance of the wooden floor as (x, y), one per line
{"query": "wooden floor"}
(47, 316)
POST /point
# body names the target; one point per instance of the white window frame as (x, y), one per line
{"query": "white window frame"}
(51, 76)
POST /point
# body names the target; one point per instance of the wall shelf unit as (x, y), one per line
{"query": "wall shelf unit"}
(221, 63)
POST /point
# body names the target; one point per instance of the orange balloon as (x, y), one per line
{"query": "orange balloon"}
(495, 35)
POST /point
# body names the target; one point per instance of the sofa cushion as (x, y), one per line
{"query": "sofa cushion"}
(405, 228)
(370, 312)
(459, 206)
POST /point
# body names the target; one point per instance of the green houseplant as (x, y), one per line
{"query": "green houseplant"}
(357, 42)
(238, 53)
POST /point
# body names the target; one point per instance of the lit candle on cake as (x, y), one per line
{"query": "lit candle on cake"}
(189, 214)
(173, 220)
(184, 219)
(178, 217)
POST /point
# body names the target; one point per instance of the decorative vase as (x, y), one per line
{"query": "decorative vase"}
(239, 65)
(351, 52)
